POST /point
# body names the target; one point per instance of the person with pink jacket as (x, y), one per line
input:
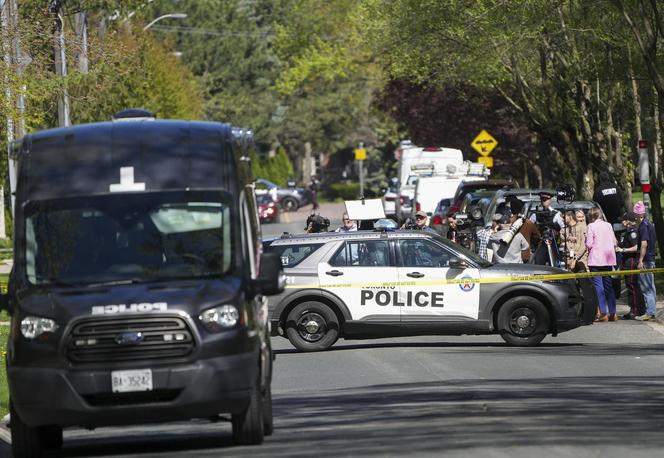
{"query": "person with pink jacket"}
(601, 243)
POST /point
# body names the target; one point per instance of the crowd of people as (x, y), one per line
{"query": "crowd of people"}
(580, 242)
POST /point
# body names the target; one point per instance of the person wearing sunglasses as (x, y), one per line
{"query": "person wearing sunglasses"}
(347, 224)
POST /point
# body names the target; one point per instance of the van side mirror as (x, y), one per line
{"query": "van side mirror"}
(271, 278)
(458, 263)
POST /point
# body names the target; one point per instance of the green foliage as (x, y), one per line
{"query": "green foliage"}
(277, 169)
(138, 71)
(345, 191)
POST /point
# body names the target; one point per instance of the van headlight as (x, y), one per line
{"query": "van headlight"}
(220, 318)
(34, 326)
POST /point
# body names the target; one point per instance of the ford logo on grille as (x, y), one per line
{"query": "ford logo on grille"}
(129, 338)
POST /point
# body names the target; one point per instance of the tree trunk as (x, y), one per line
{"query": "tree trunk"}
(656, 181)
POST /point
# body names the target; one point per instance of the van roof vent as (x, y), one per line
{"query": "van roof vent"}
(133, 114)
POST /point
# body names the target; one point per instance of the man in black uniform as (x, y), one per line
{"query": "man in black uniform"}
(608, 197)
(628, 249)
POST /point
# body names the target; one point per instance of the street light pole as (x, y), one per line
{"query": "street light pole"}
(166, 16)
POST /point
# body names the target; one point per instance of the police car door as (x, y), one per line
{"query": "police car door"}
(426, 262)
(355, 272)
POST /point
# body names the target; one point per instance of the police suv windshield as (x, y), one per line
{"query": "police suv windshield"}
(117, 238)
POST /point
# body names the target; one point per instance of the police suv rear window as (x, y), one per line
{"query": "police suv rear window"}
(292, 255)
(370, 253)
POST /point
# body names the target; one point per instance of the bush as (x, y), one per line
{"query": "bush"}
(350, 191)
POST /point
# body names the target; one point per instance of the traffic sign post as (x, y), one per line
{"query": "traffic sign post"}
(644, 172)
(360, 157)
(484, 143)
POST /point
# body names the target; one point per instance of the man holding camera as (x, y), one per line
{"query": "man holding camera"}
(508, 246)
(316, 223)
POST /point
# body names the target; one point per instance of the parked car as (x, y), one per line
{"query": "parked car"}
(475, 186)
(268, 208)
(290, 198)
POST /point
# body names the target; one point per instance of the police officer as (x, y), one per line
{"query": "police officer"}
(607, 195)
(546, 198)
(628, 249)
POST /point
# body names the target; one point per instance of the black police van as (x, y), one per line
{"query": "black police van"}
(137, 293)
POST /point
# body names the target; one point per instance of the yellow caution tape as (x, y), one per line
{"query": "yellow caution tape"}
(488, 280)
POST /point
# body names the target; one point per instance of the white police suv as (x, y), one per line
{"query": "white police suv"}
(360, 285)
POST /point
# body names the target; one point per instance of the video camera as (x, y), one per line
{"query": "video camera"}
(317, 223)
(467, 225)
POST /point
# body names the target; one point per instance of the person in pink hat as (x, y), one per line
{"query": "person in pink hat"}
(647, 242)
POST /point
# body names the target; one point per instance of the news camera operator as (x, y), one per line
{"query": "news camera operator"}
(420, 223)
(527, 228)
(317, 223)
(546, 199)
(507, 244)
(550, 222)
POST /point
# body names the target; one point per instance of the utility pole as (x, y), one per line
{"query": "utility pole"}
(360, 157)
(15, 61)
(81, 25)
(60, 61)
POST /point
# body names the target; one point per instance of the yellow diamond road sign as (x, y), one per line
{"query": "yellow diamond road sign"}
(484, 143)
(360, 154)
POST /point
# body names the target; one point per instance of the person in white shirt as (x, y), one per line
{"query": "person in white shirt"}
(347, 224)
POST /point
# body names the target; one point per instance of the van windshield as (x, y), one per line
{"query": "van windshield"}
(128, 238)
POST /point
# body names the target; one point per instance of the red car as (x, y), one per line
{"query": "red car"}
(268, 209)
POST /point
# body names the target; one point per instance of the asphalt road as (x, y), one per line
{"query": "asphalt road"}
(595, 391)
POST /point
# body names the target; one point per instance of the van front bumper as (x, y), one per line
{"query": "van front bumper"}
(200, 389)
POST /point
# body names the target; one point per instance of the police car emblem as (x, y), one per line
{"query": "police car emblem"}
(466, 286)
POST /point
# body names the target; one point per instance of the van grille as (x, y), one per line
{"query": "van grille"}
(129, 339)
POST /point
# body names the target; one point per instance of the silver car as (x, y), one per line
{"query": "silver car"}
(360, 285)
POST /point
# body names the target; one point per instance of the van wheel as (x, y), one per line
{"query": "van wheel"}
(248, 425)
(289, 204)
(312, 326)
(27, 441)
(523, 321)
(268, 421)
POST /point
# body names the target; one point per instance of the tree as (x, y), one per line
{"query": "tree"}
(548, 60)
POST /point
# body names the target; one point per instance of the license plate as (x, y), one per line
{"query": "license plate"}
(127, 381)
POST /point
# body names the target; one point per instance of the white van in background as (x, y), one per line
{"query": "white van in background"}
(434, 185)
(411, 158)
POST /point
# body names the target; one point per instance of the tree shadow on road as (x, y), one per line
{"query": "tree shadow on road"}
(414, 419)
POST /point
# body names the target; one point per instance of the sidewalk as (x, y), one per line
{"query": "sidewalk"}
(622, 307)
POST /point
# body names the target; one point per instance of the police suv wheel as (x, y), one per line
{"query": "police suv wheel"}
(289, 204)
(523, 321)
(312, 326)
(248, 425)
(27, 441)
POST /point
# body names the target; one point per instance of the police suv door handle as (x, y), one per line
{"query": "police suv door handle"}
(334, 273)
(415, 275)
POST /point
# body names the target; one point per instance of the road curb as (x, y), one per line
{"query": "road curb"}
(5, 434)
